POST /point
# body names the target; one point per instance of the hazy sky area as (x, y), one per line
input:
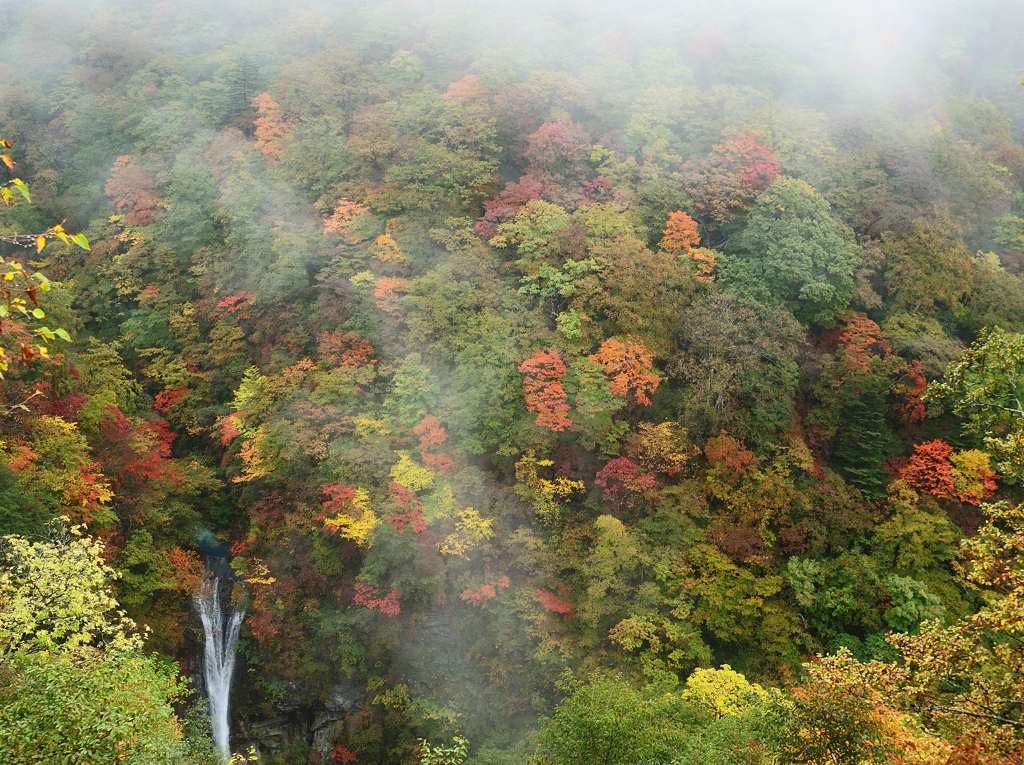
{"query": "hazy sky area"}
(835, 50)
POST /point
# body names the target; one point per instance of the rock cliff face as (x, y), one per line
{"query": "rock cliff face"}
(289, 726)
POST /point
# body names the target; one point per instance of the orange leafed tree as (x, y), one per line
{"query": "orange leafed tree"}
(962, 476)
(387, 250)
(545, 395)
(230, 428)
(629, 367)
(911, 408)
(464, 89)
(862, 340)
(728, 455)
(704, 263)
(345, 212)
(488, 591)
(188, 569)
(622, 475)
(344, 349)
(752, 160)
(132, 191)
(388, 291)
(681, 233)
(343, 754)
(368, 596)
(433, 437)
(270, 126)
(930, 470)
(731, 177)
(553, 603)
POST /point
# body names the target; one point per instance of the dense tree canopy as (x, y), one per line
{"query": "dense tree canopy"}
(793, 252)
(562, 384)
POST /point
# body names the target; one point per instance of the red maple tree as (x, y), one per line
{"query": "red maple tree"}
(545, 395)
(621, 475)
(368, 596)
(433, 436)
(552, 603)
(344, 349)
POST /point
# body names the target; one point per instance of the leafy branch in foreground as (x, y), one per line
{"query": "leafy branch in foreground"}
(20, 288)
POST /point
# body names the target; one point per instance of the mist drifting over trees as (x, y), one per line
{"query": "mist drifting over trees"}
(547, 383)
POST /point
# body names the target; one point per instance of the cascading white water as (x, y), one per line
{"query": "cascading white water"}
(218, 658)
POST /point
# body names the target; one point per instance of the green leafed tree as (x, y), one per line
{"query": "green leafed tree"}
(986, 388)
(794, 253)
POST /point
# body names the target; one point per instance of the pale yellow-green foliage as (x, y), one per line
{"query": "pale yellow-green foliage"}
(106, 382)
(254, 394)
(724, 691)
(971, 468)
(411, 474)
(352, 527)
(254, 464)
(544, 494)
(367, 427)
(471, 530)
(440, 503)
(257, 395)
(615, 551)
(55, 596)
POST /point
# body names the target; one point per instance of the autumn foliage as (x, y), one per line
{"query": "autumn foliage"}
(465, 89)
(629, 367)
(432, 437)
(237, 304)
(388, 291)
(522, 387)
(133, 192)
(136, 452)
(408, 510)
(545, 395)
(682, 233)
(552, 603)
(558, 147)
(511, 199)
(346, 512)
(861, 340)
(911, 408)
(188, 569)
(342, 754)
(750, 159)
(704, 261)
(229, 428)
(661, 448)
(344, 349)
(622, 477)
(270, 126)
(368, 596)
(344, 214)
(167, 399)
(937, 469)
(728, 455)
(731, 176)
(478, 596)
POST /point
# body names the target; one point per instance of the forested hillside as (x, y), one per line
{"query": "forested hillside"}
(562, 384)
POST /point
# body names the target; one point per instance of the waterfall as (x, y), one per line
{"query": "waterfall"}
(218, 657)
